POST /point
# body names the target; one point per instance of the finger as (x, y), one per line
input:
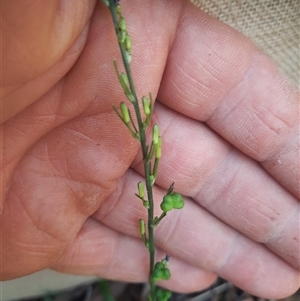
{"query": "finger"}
(227, 183)
(106, 253)
(198, 238)
(215, 75)
(35, 37)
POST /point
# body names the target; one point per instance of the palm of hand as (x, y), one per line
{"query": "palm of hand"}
(70, 168)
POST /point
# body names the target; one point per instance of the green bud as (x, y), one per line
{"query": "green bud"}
(127, 57)
(118, 9)
(152, 179)
(122, 37)
(130, 97)
(146, 204)
(122, 24)
(142, 226)
(127, 43)
(124, 81)
(155, 134)
(146, 106)
(141, 189)
(158, 148)
(125, 113)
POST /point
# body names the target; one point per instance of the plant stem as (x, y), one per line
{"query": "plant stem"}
(146, 161)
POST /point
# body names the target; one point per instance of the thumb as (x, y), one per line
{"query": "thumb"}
(36, 36)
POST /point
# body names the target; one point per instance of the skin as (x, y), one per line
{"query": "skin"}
(229, 122)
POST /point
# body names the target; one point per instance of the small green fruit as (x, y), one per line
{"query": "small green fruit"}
(172, 201)
(167, 204)
(166, 274)
(159, 266)
(161, 272)
(178, 202)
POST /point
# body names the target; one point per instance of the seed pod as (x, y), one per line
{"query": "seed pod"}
(166, 274)
(159, 265)
(167, 204)
(161, 272)
(172, 201)
(178, 202)
(163, 295)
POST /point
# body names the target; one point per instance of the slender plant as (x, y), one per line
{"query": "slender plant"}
(151, 155)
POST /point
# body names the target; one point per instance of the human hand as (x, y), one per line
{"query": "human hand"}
(229, 125)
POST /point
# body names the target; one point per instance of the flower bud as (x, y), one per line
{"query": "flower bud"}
(141, 189)
(125, 113)
(122, 24)
(152, 180)
(118, 9)
(127, 43)
(146, 106)
(122, 36)
(155, 134)
(158, 148)
(124, 81)
(127, 57)
(142, 226)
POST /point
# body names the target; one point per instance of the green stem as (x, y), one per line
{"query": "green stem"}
(147, 170)
(157, 220)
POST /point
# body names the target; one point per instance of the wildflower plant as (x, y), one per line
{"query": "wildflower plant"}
(151, 155)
